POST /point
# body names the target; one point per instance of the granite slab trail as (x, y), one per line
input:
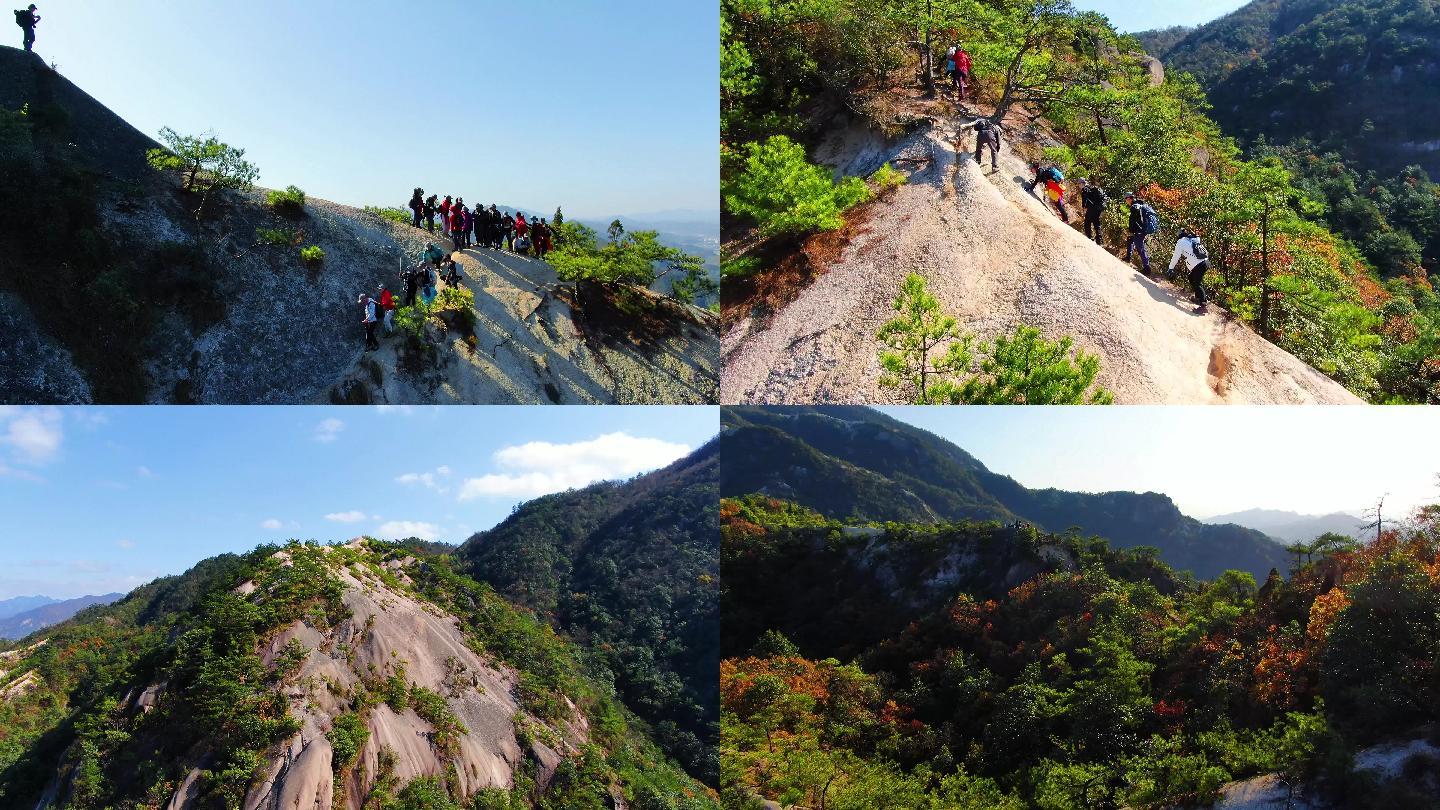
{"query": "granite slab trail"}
(997, 257)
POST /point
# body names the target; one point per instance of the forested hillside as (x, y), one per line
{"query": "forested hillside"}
(978, 665)
(856, 463)
(629, 570)
(799, 78)
(1345, 95)
(364, 675)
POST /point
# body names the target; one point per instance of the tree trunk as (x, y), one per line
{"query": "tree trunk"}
(926, 63)
(1265, 272)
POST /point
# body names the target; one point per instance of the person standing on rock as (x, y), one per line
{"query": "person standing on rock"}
(28, 19)
(987, 133)
(507, 232)
(430, 209)
(445, 215)
(412, 284)
(387, 307)
(417, 205)
(1138, 228)
(1197, 259)
(1092, 203)
(542, 238)
(367, 304)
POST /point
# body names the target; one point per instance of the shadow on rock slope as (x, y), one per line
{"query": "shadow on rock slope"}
(135, 301)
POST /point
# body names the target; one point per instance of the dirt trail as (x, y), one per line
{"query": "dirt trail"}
(996, 257)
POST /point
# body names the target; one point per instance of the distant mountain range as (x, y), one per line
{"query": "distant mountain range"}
(1291, 527)
(43, 613)
(853, 462)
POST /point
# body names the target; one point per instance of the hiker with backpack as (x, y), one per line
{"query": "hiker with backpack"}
(417, 206)
(27, 19)
(1092, 203)
(1044, 175)
(959, 66)
(987, 133)
(1143, 222)
(1197, 259)
(431, 255)
(367, 305)
(1055, 193)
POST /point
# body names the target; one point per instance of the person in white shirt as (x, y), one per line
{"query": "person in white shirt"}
(368, 305)
(1197, 259)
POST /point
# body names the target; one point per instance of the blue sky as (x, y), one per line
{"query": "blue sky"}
(1205, 457)
(104, 499)
(1142, 15)
(604, 107)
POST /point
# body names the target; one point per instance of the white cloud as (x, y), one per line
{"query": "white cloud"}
(145, 472)
(89, 419)
(353, 516)
(272, 524)
(328, 430)
(401, 529)
(430, 480)
(125, 544)
(32, 434)
(539, 468)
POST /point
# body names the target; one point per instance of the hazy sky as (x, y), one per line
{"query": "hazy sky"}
(1211, 460)
(603, 107)
(104, 499)
(1142, 15)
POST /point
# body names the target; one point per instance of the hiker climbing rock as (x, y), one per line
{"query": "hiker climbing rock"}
(1143, 222)
(1197, 259)
(1092, 203)
(28, 19)
(1043, 175)
(367, 305)
(452, 272)
(987, 133)
(431, 255)
(1055, 193)
(417, 205)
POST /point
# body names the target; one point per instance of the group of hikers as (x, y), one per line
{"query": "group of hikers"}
(27, 19)
(481, 227)
(421, 282)
(1143, 220)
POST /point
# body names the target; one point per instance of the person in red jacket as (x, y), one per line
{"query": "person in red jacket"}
(521, 226)
(961, 75)
(445, 215)
(387, 305)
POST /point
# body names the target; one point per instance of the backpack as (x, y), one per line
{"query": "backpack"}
(1057, 175)
(24, 19)
(1150, 219)
(1198, 248)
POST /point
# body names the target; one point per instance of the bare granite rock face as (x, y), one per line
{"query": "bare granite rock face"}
(392, 632)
